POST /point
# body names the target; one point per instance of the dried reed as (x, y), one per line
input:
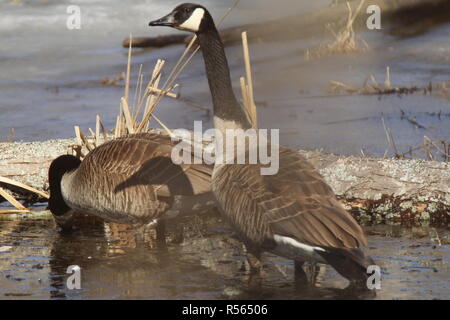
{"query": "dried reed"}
(431, 149)
(247, 85)
(372, 87)
(344, 41)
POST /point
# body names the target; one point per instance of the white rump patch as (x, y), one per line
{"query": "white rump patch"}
(292, 249)
(193, 23)
(152, 223)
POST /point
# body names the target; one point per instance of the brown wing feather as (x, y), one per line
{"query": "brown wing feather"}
(238, 191)
(144, 159)
(134, 178)
(296, 202)
(314, 204)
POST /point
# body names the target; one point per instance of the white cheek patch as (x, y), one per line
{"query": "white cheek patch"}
(193, 23)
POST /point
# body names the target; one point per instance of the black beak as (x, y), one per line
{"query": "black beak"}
(167, 21)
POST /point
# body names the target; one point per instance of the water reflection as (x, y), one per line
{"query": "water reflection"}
(204, 263)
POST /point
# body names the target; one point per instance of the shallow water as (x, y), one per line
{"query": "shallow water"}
(204, 263)
(50, 78)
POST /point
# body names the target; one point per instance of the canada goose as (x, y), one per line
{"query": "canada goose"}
(294, 213)
(130, 180)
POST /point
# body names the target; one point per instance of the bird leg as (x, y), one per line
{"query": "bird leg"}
(179, 234)
(299, 274)
(253, 259)
(314, 271)
(161, 231)
(301, 277)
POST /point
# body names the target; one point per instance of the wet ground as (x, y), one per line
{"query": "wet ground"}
(203, 261)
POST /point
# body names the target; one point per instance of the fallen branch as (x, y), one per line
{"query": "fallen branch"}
(156, 42)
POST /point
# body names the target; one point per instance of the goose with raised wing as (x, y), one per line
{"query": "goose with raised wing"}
(130, 180)
(294, 213)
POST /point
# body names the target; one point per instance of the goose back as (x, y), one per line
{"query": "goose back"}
(132, 179)
(296, 203)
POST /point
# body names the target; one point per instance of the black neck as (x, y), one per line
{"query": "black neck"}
(225, 103)
(58, 168)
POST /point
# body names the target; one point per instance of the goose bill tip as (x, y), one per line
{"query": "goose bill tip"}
(166, 21)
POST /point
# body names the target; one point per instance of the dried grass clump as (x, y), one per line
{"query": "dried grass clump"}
(10, 136)
(115, 82)
(430, 149)
(441, 90)
(372, 87)
(134, 114)
(344, 41)
(433, 150)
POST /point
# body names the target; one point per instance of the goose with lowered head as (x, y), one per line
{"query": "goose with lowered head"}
(130, 180)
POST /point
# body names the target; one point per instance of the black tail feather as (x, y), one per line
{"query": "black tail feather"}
(350, 263)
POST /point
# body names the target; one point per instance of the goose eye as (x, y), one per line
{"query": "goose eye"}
(187, 10)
